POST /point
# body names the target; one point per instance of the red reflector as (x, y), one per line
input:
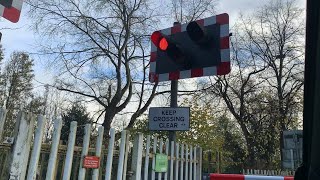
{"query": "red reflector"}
(163, 44)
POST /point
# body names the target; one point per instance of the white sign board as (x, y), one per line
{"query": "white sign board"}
(169, 119)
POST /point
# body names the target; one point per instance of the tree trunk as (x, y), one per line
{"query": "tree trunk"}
(250, 144)
(251, 160)
(283, 128)
(108, 117)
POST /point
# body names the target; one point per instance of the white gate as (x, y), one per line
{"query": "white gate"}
(185, 161)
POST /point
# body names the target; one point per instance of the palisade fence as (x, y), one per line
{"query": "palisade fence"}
(27, 157)
(268, 172)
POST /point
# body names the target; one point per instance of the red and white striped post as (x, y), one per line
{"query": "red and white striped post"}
(247, 177)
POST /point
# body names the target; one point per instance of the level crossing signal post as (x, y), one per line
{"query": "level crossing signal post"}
(195, 49)
(174, 85)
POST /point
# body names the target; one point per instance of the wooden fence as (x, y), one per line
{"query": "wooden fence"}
(28, 158)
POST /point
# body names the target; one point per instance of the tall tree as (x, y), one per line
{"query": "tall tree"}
(277, 36)
(99, 49)
(103, 49)
(16, 85)
(263, 90)
(239, 90)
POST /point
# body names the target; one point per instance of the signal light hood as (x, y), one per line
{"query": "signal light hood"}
(197, 33)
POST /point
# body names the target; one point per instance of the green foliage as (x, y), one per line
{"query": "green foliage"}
(76, 113)
(233, 147)
(203, 128)
(16, 86)
(265, 130)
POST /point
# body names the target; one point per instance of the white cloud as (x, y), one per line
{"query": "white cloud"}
(234, 7)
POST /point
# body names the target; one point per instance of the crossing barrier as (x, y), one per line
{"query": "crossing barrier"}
(247, 177)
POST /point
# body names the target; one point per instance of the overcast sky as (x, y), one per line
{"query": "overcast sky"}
(23, 39)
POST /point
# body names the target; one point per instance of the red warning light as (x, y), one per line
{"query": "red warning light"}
(156, 38)
(163, 44)
(159, 41)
